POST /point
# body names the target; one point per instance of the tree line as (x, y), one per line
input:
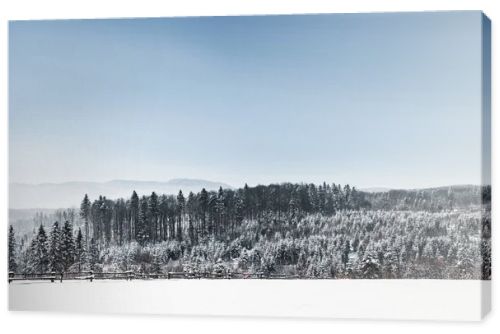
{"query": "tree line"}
(60, 250)
(325, 231)
(153, 218)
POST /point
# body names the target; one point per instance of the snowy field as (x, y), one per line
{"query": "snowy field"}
(369, 299)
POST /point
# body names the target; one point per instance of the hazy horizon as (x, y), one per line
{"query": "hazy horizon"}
(372, 100)
(235, 186)
(241, 185)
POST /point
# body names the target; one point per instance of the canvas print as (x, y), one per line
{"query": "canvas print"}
(203, 150)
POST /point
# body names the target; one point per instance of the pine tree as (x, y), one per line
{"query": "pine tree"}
(40, 251)
(247, 201)
(94, 257)
(80, 253)
(153, 217)
(67, 246)
(143, 223)
(370, 266)
(85, 215)
(156, 265)
(164, 211)
(486, 259)
(134, 216)
(220, 209)
(119, 221)
(181, 202)
(12, 250)
(345, 253)
(190, 211)
(55, 255)
(239, 209)
(239, 213)
(27, 260)
(105, 212)
(203, 202)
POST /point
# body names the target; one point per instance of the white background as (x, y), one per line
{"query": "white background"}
(48, 322)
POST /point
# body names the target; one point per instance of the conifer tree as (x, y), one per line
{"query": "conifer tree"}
(143, 224)
(190, 212)
(134, 217)
(119, 221)
(156, 265)
(345, 253)
(203, 202)
(85, 215)
(247, 201)
(55, 254)
(12, 250)
(94, 256)
(153, 213)
(67, 246)
(105, 211)
(220, 209)
(40, 251)
(370, 266)
(80, 253)
(181, 202)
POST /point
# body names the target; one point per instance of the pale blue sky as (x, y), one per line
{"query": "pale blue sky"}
(368, 99)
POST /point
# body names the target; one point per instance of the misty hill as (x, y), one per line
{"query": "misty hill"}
(429, 199)
(375, 190)
(70, 194)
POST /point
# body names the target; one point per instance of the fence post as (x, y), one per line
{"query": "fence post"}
(11, 276)
(52, 276)
(91, 276)
(62, 277)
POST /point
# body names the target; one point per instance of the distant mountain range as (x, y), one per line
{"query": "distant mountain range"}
(70, 194)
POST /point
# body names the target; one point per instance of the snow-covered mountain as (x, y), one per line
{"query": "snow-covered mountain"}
(70, 194)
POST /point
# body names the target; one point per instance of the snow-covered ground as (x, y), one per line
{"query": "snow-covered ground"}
(402, 299)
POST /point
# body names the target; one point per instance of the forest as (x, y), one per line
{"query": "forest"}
(297, 230)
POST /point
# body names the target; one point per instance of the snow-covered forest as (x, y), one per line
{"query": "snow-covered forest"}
(296, 230)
